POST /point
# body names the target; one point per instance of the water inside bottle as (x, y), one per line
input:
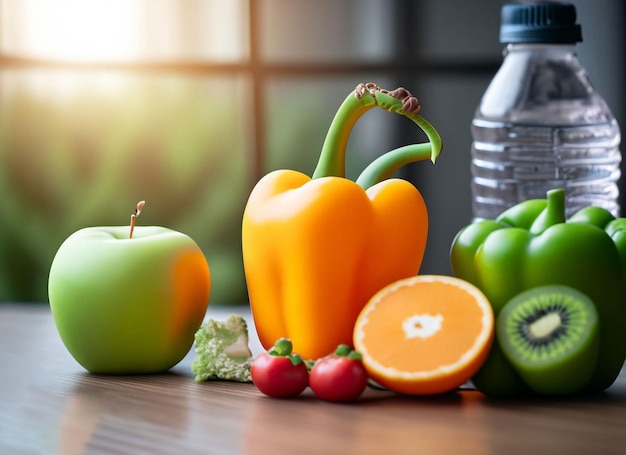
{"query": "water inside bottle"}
(515, 162)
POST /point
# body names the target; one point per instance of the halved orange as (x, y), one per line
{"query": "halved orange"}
(425, 335)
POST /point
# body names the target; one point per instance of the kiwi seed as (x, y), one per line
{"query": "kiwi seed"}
(550, 334)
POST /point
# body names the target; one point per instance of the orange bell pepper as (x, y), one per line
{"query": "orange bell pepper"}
(316, 249)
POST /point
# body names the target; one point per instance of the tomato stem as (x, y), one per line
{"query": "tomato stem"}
(283, 348)
(343, 350)
(355, 355)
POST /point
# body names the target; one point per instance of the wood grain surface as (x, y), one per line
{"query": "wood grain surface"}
(50, 405)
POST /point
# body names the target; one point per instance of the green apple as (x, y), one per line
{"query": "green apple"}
(126, 304)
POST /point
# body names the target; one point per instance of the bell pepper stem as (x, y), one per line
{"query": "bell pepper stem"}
(384, 166)
(332, 161)
(364, 98)
(554, 213)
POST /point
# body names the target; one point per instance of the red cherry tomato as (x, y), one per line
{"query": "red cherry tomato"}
(278, 373)
(339, 377)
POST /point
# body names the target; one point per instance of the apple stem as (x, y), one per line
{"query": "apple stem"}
(134, 216)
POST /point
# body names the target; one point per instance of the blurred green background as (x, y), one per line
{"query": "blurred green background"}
(80, 149)
(185, 104)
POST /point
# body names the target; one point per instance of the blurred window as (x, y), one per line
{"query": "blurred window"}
(186, 104)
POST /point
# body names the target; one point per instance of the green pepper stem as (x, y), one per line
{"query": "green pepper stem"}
(554, 213)
(366, 97)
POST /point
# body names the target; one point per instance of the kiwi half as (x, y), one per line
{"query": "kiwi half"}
(550, 334)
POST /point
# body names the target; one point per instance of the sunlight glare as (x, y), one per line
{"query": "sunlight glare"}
(78, 30)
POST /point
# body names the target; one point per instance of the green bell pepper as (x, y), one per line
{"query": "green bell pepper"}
(532, 244)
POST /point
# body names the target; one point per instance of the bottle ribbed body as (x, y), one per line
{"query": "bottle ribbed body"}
(541, 125)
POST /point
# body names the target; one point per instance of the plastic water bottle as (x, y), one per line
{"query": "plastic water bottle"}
(540, 124)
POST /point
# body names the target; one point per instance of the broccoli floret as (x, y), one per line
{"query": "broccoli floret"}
(222, 347)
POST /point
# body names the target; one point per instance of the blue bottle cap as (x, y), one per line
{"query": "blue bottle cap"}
(542, 22)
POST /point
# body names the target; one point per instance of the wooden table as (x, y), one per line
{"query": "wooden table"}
(49, 404)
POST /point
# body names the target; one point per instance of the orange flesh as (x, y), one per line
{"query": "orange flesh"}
(460, 327)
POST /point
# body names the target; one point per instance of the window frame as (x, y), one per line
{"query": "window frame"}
(259, 70)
